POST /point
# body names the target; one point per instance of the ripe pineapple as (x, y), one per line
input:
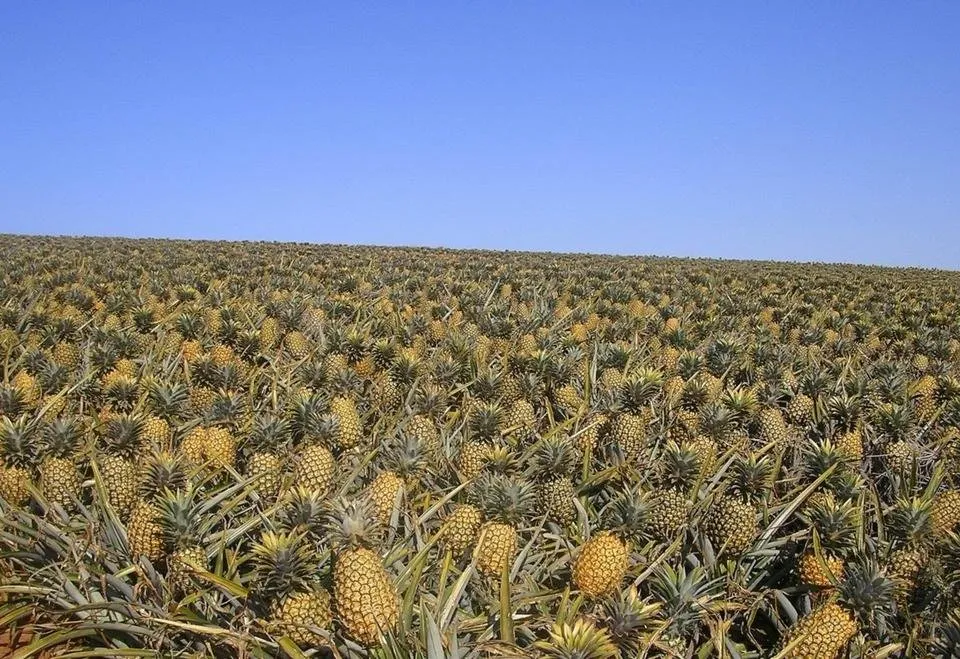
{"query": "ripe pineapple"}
(144, 532)
(383, 491)
(220, 448)
(60, 476)
(264, 466)
(945, 513)
(505, 501)
(816, 571)
(301, 614)
(423, 429)
(773, 429)
(121, 446)
(367, 602)
(191, 447)
(568, 400)
(461, 528)
(519, 422)
(156, 432)
(349, 431)
(297, 344)
(555, 459)
(19, 450)
(315, 468)
(800, 409)
(472, 459)
(821, 635)
(731, 524)
(600, 565)
(669, 514)
(629, 432)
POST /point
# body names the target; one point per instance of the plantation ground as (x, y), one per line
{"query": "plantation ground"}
(249, 449)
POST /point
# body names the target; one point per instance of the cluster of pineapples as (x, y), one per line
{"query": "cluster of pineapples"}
(223, 449)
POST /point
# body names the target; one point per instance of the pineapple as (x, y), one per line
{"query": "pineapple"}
(773, 429)
(568, 400)
(144, 532)
(191, 447)
(505, 501)
(472, 459)
(821, 635)
(121, 444)
(945, 513)
(554, 460)
(519, 423)
(19, 450)
(60, 475)
(817, 571)
(264, 466)
(349, 431)
(383, 491)
(669, 514)
(366, 600)
(461, 528)
(156, 432)
(299, 616)
(731, 525)
(315, 468)
(297, 344)
(220, 448)
(629, 433)
(600, 565)
(423, 429)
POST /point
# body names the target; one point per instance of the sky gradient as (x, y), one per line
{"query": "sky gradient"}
(812, 131)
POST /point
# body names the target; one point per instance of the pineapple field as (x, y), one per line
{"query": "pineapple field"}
(217, 449)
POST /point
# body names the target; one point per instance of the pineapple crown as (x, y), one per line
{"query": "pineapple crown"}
(405, 455)
(627, 515)
(122, 434)
(62, 437)
(835, 522)
(269, 432)
(909, 519)
(181, 516)
(679, 466)
(869, 594)
(485, 421)
(641, 388)
(628, 619)
(554, 456)
(752, 476)
(162, 471)
(581, 639)
(167, 400)
(303, 510)
(353, 523)
(282, 563)
(508, 499)
(18, 441)
(685, 597)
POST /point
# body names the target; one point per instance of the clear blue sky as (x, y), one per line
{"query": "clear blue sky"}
(785, 130)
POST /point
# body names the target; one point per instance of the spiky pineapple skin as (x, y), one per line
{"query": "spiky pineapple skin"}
(315, 469)
(821, 635)
(461, 529)
(14, 482)
(349, 430)
(556, 494)
(121, 481)
(731, 525)
(383, 491)
(496, 548)
(300, 613)
(60, 480)
(144, 532)
(367, 603)
(601, 565)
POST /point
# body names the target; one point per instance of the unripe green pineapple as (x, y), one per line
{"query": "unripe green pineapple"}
(349, 431)
(600, 565)
(731, 525)
(821, 635)
(461, 528)
(315, 468)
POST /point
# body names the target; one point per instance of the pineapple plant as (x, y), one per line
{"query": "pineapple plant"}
(366, 600)
(121, 447)
(506, 501)
(60, 467)
(19, 452)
